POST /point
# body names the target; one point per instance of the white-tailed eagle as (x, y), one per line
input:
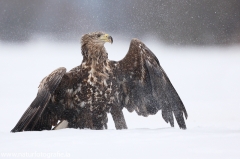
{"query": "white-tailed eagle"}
(82, 97)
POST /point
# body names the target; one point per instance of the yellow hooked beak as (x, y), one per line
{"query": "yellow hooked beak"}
(106, 38)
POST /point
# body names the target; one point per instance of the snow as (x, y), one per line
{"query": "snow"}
(206, 78)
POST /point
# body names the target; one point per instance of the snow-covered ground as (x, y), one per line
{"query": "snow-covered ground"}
(206, 78)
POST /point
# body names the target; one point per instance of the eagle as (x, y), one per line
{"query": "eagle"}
(82, 97)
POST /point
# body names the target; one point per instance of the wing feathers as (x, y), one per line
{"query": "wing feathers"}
(149, 88)
(30, 120)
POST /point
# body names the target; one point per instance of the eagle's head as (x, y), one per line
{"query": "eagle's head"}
(96, 38)
(93, 46)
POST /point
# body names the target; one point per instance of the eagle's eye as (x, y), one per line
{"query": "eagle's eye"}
(98, 35)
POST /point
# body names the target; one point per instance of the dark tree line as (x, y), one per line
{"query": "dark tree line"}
(173, 21)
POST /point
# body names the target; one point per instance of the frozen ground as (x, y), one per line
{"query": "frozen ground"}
(206, 78)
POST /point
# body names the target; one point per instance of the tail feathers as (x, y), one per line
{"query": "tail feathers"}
(61, 125)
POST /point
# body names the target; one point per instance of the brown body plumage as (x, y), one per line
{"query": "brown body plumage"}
(82, 97)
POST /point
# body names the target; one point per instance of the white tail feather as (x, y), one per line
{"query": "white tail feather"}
(62, 125)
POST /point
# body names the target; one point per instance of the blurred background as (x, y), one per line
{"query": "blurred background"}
(182, 22)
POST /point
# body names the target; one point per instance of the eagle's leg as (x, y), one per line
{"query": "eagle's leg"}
(118, 117)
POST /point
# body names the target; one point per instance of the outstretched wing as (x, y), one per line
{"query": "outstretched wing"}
(35, 118)
(145, 87)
